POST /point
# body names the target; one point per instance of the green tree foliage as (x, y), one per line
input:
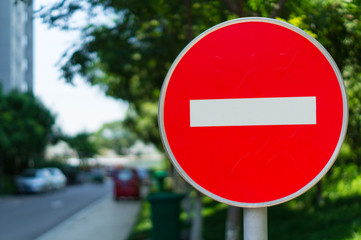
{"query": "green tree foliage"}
(337, 25)
(26, 126)
(131, 53)
(83, 145)
(114, 136)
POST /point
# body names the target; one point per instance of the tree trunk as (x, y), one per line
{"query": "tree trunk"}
(189, 24)
(278, 8)
(319, 197)
(235, 7)
(197, 223)
(17, 165)
(233, 223)
(187, 203)
(181, 186)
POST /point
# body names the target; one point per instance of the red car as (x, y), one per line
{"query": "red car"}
(126, 183)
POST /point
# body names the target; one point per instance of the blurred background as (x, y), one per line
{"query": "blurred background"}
(80, 82)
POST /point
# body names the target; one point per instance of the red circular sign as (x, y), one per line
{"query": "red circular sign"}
(253, 112)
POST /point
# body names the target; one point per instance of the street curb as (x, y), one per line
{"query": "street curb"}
(72, 219)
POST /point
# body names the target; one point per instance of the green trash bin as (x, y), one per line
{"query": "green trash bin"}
(165, 211)
(160, 177)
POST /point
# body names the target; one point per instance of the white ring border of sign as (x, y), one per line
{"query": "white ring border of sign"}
(339, 143)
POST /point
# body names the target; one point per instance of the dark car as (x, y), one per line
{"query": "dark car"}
(97, 175)
(126, 183)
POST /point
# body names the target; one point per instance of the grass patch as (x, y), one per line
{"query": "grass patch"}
(340, 219)
(337, 218)
(214, 219)
(143, 226)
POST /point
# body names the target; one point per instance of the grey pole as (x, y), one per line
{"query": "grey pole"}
(255, 223)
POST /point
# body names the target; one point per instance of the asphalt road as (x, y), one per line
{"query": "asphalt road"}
(25, 217)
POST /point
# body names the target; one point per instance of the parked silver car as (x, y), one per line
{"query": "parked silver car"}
(58, 179)
(34, 180)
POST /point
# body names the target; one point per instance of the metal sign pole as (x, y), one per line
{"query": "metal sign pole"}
(255, 223)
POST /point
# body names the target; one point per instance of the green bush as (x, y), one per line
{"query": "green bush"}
(8, 185)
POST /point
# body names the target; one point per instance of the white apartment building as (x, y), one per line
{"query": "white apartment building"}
(16, 45)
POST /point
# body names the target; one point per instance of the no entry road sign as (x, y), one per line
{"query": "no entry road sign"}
(253, 112)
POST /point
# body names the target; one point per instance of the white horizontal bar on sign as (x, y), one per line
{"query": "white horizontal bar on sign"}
(253, 112)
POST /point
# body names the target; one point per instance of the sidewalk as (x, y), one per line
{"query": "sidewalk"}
(104, 219)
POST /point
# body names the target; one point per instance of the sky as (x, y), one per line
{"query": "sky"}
(77, 108)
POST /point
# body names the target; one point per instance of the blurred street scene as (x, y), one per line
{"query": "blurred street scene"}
(80, 150)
